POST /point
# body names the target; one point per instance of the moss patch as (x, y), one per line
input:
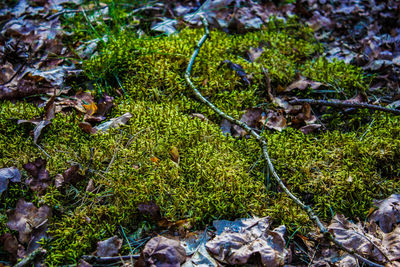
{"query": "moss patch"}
(334, 171)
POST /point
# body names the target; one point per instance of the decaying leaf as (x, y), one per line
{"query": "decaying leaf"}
(114, 123)
(199, 116)
(87, 127)
(353, 237)
(26, 218)
(40, 178)
(174, 153)
(248, 241)
(388, 213)
(10, 245)
(255, 52)
(391, 243)
(161, 251)
(41, 123)
(31, 50)
(196, 252)
(302, 83)
(238, 69)
(309, 128)
(71, 175)
(150, 209)
(109, 247)
(90, 186)
(7, 175)
(251, 117)
(273, 120)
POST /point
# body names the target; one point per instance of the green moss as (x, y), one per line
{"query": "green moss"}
(343, 78)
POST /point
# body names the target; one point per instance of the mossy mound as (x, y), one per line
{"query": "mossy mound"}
(215, 177)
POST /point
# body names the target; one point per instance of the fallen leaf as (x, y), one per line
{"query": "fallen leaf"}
(83, 263)
(71, 175)
(302, 83)
(8, 174)
(109, 247)
(90, 186)
(40, 178)
(243, 241)
(87, 128)
(196, 252)
(226, 127)
(90, 108)
(161, 251)
(238, 69)
(174, 153)
(114, 123)
(150, 209)
(10, 245)
(352, 236)
(251, 117)
(199, 116)
(26, 218)
(155, 159)
(309, 128)
(273, 120)
(391, 242)
(255, 52)
(388, 213)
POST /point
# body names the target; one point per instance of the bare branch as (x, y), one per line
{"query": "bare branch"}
(342, 104)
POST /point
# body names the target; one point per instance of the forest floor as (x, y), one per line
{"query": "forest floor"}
(278, 143)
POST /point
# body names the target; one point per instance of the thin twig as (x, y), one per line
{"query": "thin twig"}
(264, 147)
(115, 153)
(341, 104)
(268, 80)
(313, 257)
(73, 11)
(104, 260)
(28, 260)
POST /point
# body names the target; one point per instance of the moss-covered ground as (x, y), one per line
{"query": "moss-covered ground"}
(334, 171)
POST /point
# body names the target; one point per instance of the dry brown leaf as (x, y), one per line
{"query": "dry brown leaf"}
(150, 209)
(114, 123)
(273, 120)
(244, 240)
(391, 242)
(388, 213)
(302, 83)
(26, 218)
(40, 178)
(10, 245)
(251, 117)
(161, 251)
(309, 128)
(87, 128)
(353, 237)
(109, 247)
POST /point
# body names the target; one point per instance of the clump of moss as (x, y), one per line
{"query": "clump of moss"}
(214, 178)
(345, 79)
